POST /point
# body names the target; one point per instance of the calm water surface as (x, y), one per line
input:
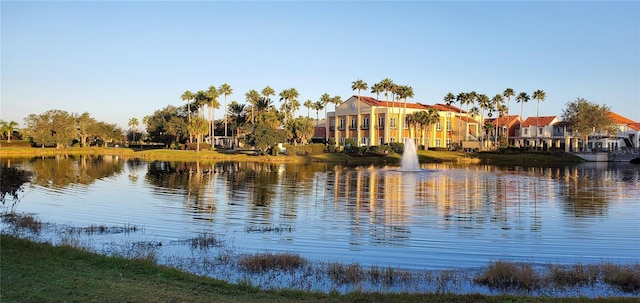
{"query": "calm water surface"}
(440, 217)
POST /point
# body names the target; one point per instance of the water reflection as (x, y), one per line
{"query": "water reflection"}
(450, 213)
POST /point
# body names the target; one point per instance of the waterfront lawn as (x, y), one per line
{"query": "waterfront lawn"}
(40, 272)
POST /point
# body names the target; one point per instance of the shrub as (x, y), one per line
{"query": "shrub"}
(16, 143)
(623, 277)
(508, 275)
(268, 261)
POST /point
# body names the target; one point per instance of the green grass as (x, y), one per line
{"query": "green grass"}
(424, 156)
(40, 272)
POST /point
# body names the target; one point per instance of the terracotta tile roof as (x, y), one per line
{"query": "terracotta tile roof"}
(467, 119)
(513, 119)
(542, 121)
(449, 108)
(618, 119)
(400, 104)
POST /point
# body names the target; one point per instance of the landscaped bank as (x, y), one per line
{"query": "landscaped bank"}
(36, 272)
(428, 156)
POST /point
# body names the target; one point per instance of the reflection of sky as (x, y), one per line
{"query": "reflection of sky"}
(440, 217)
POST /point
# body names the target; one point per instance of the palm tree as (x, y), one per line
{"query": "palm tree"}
(212, 95)
(8, 128)
(462, 98)
(404, 92)
(508, 93)
(358, 85)
(308, 104)
(483, 103)
(497, 101)
(267, 92)
(252, 97)
(318, 106)
(540, 96)
(377, 89)
(288, 95)
(133, 123)
(238, 118)
(522, 98)
(431, 117)
(188, 96)
(448, 99)
(225, 90)
(326, 99)
(197, 126)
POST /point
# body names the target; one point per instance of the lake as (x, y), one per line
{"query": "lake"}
(442, 216)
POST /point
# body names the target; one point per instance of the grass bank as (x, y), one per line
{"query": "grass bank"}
(428, 156)
(37, 272)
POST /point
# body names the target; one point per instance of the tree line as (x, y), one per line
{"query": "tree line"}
(259, 123)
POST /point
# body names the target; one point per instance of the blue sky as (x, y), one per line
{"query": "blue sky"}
(118, 60)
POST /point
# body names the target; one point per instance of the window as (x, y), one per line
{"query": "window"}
(353, 123)
(380, 140)
(333, 124)
(342, 140)
(540, 131)
(406, 123)
(365, 123)
(438, 126)
(392, 139)
(526, 132)
(448, 142)
(448, 125)
(341, 123)
(393, 122)
(365, 141)
(380, 122)
(438, 142)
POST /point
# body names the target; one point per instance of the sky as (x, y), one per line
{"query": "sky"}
(122, 59)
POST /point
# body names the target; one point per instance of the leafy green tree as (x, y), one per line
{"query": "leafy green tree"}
(584, 117)
(225, 90)
(53, 127)
(198, 126)
(7, 128)
(106, 133)
(167, 125)
(264, 136)
(85, 126)
(508, 93)
(300, 130)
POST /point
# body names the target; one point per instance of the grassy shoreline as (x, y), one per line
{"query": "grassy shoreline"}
(45, 273)
(428, 156)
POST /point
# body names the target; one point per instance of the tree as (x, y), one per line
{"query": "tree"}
(85, 126)
(540, 96)
(497, 101)
(449, 99)
(252, 98)
(300, 130)
(288, 96)
(133, 123)
(318, 106)
(211, 96)
(483, 103)
(308, 104)
(462, 98)
(106, 133)
(198, 126)
(326, 99)
(53, 127)
(377, 89)
(264, 136)
(267, 92)
(167, 125)
(522, 98)
(584, 117)
(358, 85)
(7, 128)
(188, 96)
(225, 89)
(508, 93)
(237, 118)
